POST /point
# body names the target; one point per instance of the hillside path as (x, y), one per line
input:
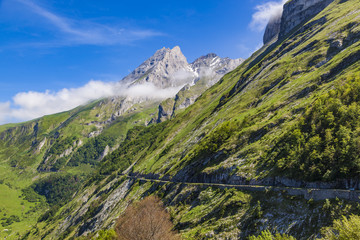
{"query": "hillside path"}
(307, 193)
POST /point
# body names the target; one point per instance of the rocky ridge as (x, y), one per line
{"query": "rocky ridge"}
(169, 68)
(208, 70)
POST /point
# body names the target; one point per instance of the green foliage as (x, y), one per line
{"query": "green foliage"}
(325, 145)
(107, 235)
(58, 189)
(61, 144)
(30, 195)
(58, 164)
(257, 211)
(49, 213)
(138, 140)
(267, 235)
(211, 143)
(343, 229)
(90, 152)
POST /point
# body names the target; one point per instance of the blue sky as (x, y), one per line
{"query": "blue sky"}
(49, 48)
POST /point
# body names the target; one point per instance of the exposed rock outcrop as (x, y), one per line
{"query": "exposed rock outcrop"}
(298, 11)
(166, 109)
(214, 67)
(294, 13)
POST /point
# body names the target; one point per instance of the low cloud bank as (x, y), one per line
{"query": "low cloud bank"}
(29, 105)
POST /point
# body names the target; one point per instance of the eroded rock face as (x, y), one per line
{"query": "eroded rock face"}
(213, 65)
(294, 13)
(166, 109)
(299, 11)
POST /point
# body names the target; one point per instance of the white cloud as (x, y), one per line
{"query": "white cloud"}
(4, 110)
(149, 90)
(29, 105)
(77, 31)
(264, 13)
(183, 76)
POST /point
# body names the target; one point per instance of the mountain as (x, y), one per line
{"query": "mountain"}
(169, 68)
(273, 145)
(75, 142)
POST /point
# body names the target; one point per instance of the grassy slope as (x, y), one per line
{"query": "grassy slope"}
(17, 149)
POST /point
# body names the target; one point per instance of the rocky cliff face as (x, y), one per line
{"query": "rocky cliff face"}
(299, 11)
(294, 13)
(207, 70)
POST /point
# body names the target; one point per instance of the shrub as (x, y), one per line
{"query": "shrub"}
(343, 229)
(146, 219)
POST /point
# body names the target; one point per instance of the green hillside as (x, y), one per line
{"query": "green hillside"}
(287, 116)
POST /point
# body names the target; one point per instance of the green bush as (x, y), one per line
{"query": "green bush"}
(60, 145)
(10, 220)
(343, 229)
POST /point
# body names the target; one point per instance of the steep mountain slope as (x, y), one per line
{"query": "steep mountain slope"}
(66, 148)
(254, 126)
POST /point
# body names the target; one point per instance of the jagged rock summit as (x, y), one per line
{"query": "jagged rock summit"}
(166, 68)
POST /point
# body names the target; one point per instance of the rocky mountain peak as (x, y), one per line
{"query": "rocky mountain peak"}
(205, 61)
(214, 64)
(166, 68)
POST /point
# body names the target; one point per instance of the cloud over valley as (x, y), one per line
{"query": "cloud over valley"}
(29, 105)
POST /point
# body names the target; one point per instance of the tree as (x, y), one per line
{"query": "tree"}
(146, 220)
(343, 229)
